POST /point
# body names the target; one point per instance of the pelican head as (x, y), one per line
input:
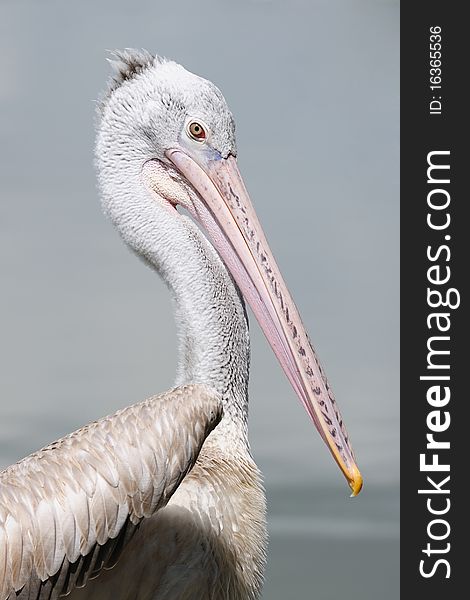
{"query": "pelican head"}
(170, 133)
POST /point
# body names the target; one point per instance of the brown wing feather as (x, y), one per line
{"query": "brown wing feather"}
(67, 510)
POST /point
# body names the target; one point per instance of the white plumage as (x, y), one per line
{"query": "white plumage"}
(163, 500)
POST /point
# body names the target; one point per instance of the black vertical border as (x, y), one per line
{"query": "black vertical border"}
(420, 134)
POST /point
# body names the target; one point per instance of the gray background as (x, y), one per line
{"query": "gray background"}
(86, 328)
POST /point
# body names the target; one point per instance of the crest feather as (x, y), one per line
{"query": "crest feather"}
(127, 64)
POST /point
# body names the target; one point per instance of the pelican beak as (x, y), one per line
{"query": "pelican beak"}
(224, 210)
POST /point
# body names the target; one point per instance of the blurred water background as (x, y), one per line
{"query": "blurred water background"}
(85, 328)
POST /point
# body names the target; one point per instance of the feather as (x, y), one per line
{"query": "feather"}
(64, 514)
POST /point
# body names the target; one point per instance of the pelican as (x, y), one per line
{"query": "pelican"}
(162, 500)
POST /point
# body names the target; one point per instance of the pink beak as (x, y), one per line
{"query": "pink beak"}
(225, 211)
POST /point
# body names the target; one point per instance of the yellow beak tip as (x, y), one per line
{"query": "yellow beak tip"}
(355, 482)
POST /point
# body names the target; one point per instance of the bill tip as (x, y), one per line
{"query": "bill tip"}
(355, 482)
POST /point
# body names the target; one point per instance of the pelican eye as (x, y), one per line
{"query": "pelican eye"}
(196, 131)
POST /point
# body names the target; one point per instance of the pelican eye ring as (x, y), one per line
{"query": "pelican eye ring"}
(196, 131)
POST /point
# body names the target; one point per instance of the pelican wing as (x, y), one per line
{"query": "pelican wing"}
(67, 510)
